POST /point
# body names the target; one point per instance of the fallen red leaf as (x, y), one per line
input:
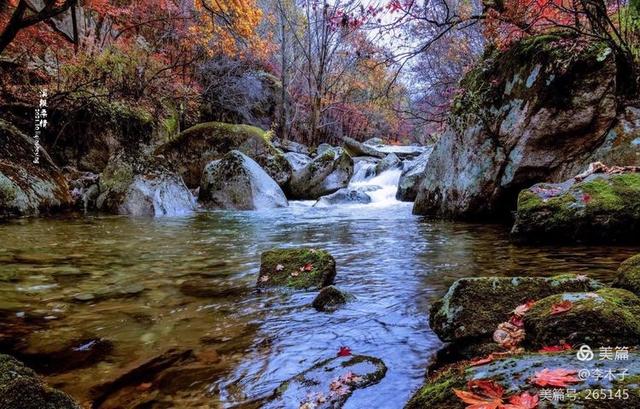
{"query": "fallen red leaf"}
(522, 309)
(522, 401)
(555, 377)
(308, 267)
(562, 306)
(483, 394)
(586, 197)
(481, 361)
(556, 348)
(344, 351)
(517, 321)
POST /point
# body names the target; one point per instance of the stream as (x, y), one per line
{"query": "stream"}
(87, 279)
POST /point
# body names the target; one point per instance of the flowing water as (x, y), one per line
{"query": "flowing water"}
(68, 285)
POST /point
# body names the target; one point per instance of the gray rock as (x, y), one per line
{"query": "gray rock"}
(322, 148)
(327, 173)
(344, 196)
(411, 177)
(329, 299)
(297, 161)
(537, 123)
(294, 147)
(238, 182)
(21, 388)
(391, 161)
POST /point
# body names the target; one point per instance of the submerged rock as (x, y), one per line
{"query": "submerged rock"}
(473, 307)
(137, 185)
(28, 188)
(196, 147)
(601, 208)
(514, 374)
(629, 275)
(537, 112)
(329, 299)
(327, 173)
(411, 177)
(607, 317)
(296, 268)
(237, 182)
(344, 196)
(328, 384)
(210, 289)
(21, 388)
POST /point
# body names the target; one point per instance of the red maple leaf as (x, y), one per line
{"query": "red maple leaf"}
(562, 346)
(562, 306)
(517, 321)
(344, 351)
(483, 394)
(522, 309)
(307, 267)
(481, 361)
(522, 401)
(555, 377)
(586, 197)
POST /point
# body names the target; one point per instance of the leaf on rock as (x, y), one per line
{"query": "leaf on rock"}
(555, 377)
(522, 309)
(482, 361)
(279, 267)
(560, 307)
(344, 351)
(307, 267)
(522, 401)
(556, 348)
(483, 394)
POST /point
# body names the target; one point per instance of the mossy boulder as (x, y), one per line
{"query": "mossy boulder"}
(629, 275)
(601, 208)
(139, 185)
(514, 374)
(538, 111)
(194, 148)
(473, 307)
(21, 388)
(325, 174)
(238, 182)
(609, 316)
(28, 188)
(297, 268)
(329, 299)
(317, 386)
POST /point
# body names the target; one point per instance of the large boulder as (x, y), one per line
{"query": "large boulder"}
(237, 182)
(411, 177)
(328, 384)
(136, 185)
(601, 208)
(473, 307)
(538, 112)
(327, 173)
(194, 148)
(513, 376)
(28, 188)
(607, 317)
(296, 268)
(21, 388)
(629, 275)
(374, 147)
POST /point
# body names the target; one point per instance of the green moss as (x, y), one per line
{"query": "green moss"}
(437, 392)
(223, 130)
(321, 274)
(629, 275)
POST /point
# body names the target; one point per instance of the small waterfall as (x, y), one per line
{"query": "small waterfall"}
(382, 188)
(363, 170)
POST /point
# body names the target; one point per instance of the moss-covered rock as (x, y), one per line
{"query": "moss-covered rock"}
(514, 375)
(629, 275)
(317, 386)
(609, 316)
(194, 148)
(238, 182)
(297, 268)
(21, 388)
(473, 307)
(325, 174)
(601, 208)
(28, 188)
(329, 299)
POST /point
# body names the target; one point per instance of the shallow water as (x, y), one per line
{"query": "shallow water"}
(394, 263)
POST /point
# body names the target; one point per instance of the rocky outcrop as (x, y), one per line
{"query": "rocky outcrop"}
(296, 268)
(616, 312)
(137, 185)
(238, 182)
(514, 375)
(194, 148)
(412, 176)
(539, 112)
(344, 196)
(21, 388)
(327, 173)
(473, 307)
(28, 188)
(328, 384)
(601, 208)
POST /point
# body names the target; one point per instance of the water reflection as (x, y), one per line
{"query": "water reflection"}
(123, 280)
